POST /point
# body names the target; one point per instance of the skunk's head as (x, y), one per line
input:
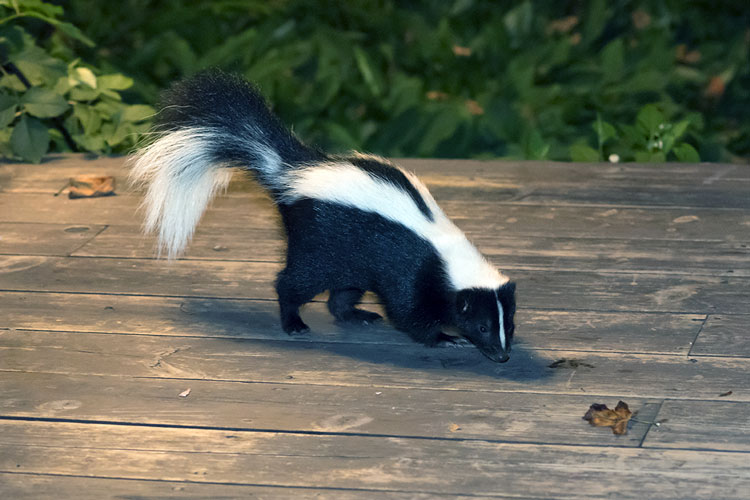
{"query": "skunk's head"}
(485, 318)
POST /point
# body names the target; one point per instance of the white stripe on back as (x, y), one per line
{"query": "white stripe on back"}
(346, 184)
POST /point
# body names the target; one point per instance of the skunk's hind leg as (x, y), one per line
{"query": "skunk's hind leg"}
(341, 303)
(293, 292)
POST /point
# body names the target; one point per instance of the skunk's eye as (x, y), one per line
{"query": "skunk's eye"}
(482, 329)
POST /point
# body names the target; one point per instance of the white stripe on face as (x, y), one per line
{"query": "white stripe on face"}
(501, 331)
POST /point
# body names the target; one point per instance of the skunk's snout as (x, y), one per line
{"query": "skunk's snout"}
(497, 355)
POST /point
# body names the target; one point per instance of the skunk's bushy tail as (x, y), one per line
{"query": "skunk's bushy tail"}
(207, 125)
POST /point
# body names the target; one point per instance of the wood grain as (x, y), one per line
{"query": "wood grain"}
(258, 319)
(615, 375)
(367, 463)
(633, 285)
(558, 289)
(725, 335)
(45, 239)
(718, 257)
(508, 417)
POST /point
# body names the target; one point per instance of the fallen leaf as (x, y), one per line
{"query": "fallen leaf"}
(601, 416)
(185, 393)
(725, 394)
(455, 427)
(91, 186)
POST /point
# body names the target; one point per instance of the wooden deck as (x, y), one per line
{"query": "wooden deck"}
(638, 273)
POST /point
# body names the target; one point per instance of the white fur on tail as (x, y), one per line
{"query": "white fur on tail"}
(181, 180)
(346, 184)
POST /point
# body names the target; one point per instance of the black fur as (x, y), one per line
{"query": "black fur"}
(337, 248)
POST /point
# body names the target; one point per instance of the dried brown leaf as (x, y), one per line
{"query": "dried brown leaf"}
(91, 186)
(600, 416)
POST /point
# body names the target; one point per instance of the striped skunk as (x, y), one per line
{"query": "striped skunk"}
(353, 223)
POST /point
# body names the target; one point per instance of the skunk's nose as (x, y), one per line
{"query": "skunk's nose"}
(498, 356)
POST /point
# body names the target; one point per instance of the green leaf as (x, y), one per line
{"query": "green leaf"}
(649, 118)
(518, 22)
(86, 76)
(115, 82)
(43, 103)
(687, 153)
(680, 128)
(649, 157)
(138, 113)
(73, 32)
(90, 120)
(583, 153)
(30, 139)
(8, 107)
(534, 146)
(38, 66)
(83, 94)
(613, 60)
(366, 69)
(604, 131)
(595, 21)
(44, 8)
(441, 126)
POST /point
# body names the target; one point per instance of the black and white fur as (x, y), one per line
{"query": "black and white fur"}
(354, 223)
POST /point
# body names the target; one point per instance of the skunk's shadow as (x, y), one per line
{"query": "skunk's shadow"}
(250, 322)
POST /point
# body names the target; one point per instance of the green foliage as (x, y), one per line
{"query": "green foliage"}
(47, 101)
(645, 80)
(651, 139)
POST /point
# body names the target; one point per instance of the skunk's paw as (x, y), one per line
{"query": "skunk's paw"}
(295, 326)
(444, 340)
(360, 317)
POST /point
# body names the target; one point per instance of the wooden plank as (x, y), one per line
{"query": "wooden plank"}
(209, 243)
(355, 462)
(542, 289)
(725, 335)
(714, 224)
(54, 174)
(53, 487)
(614, 375)
(45, 239)
(433, 413)
(267, 245)
(700, 185)
(586, 331)
(713, 425)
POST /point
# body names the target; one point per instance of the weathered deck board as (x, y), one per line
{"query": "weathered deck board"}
(498, 219)
(508, 417)
(712, 425)
(725, 335)
(640, 274)
(555, 289)
(45, 239)
(362, 365)
(358, 462)
(719, 257)
(656, 333)
(556, 183)
(54, 487)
